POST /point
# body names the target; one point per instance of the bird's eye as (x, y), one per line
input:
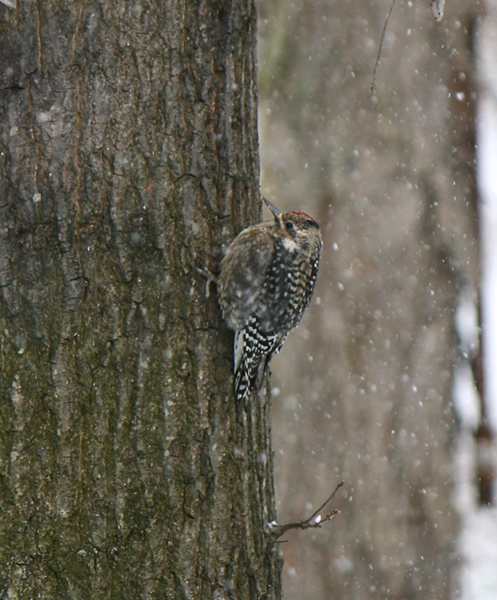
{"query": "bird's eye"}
(290, 226)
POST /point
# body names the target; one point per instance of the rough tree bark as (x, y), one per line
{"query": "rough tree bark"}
(366, 383)
(129, 155)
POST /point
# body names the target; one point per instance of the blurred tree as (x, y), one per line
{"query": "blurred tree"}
(365, 384)
(128, 144)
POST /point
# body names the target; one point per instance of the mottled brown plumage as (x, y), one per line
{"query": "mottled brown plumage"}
(266, 282)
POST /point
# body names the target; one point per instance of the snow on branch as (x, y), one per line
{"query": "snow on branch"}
(315, 520)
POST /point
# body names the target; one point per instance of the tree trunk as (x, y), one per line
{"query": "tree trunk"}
(129, 156)
(366, 381)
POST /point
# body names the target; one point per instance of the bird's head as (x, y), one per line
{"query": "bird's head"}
(294, 224)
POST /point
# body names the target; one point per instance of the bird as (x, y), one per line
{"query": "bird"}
(265, 283)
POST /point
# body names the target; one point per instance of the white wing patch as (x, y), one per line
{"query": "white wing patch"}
(238, 348)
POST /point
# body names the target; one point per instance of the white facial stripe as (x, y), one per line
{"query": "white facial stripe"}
(289, 244)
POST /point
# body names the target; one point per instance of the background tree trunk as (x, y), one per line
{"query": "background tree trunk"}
(129, 154)
(365, 383)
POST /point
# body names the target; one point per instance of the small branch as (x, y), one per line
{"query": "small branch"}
(380, 48)
(314, 521)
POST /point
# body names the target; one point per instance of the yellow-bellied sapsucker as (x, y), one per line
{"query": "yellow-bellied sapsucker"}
(265, 284)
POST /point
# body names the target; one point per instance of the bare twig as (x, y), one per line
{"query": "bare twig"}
(315, 520)
(380, 48)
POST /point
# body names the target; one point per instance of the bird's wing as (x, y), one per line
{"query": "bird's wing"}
(243, 272)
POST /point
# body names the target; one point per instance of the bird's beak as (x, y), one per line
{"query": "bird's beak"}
(276, 211)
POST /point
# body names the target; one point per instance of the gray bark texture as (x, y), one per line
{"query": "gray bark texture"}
(129, 156)
(364, 386)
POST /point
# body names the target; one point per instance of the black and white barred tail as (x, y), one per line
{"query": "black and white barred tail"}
(253, 352)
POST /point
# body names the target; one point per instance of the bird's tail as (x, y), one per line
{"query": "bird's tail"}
(253, 352)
